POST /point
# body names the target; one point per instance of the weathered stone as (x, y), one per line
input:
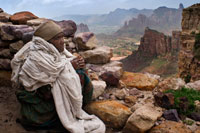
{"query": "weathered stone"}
(27, 37)
(15, 47)
(197, 105)
(4, 17)
(111, 113)
(22, 17)
(13, 32)
(5, 53)
(171, 115)
(195, 85)
(85, 41)
(110, 78)
(5, 64)
(170, 84)
(139, 80)
(69, 27)
(121, 94)
(99, 87)
(170, 127)
(142, 119)
(36, 22)
(99, 55)
(184, 104)
(165, 100)
(188, 63)
(130, 100)
(93, 76)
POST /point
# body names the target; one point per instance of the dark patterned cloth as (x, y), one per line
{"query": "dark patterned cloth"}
(37, 107)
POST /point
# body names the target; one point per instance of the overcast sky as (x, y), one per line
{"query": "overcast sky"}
(53, 8)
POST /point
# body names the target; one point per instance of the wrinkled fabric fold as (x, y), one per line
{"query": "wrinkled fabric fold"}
(39, 63)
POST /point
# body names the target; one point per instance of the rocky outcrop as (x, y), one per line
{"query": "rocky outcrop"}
(82, 28)
(188, 62)
(163, 20)
(152, 45)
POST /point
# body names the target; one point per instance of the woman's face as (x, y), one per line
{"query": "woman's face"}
(58, 42)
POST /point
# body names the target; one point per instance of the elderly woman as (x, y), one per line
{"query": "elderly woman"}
(50, 85)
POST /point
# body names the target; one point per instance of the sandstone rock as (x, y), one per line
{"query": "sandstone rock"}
(5, 32)
(99, 55)
(93, 76)
(5, 53)
(22, 17)
(188, 64)
(170, 84)
(111, 113)
(130, 100)
(110, 78)
(85, 41)
(195, 85)
(164, 100)
(15, 47)
(36, 22)
(142, 119)
(68, 26)
(139, 80)
(170, 127)
(4, 17)
(5, 64)
(121, 94)
(99, 87)
(171, 115)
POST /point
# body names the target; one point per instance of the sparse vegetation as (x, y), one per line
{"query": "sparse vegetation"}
(190, 94)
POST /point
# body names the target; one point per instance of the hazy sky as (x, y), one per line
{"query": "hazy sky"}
(53, 8)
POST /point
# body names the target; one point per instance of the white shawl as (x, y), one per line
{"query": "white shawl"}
(39, 63)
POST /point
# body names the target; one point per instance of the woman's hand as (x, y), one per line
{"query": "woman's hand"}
(78, 62)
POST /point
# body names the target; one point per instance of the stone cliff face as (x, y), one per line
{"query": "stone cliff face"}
(189, 65)
(152, 44)
(82, 28)
(163, 20)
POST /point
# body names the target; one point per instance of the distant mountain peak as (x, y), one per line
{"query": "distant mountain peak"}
(181, 6)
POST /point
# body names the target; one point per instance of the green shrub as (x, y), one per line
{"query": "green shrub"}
(191, 94)
(188, 122)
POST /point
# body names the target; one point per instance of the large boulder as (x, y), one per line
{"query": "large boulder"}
(85, 41)
(5, 77)
(99, 55)
(4, 17)
(4, 44)
(195, 85)
(142, 119)
(36, 22)
(69, 27)
(1, 10)
(139, 80)
(99, 87)
(170, 127)
(111, 113)
(170, 84)
(22, 17)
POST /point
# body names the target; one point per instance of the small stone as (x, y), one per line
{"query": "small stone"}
(120, 94)
(15, 47)
(130, 100)
(99, 87)
(110, 78)
(171, 115)
(165, 100)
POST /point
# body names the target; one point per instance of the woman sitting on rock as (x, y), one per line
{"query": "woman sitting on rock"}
(50, 85)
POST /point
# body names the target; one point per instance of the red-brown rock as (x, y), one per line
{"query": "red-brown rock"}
(22, 17)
